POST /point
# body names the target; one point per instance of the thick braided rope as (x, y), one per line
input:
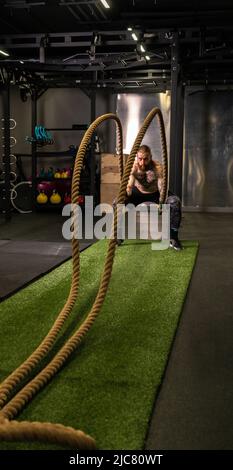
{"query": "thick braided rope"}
(45, 432)
(130, 160)
(26, 394)
(164, 190)
(83, 146)
(16, 404)
(9, 384)
(19, 374)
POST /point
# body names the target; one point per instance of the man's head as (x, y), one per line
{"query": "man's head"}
(144, 157)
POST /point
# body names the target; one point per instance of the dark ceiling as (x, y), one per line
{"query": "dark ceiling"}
(54, 16)
(79, 42)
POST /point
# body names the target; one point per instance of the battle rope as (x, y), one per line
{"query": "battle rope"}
(14, 379)
(130, 160)
(22, 371)
(45, 432)
(10, 410)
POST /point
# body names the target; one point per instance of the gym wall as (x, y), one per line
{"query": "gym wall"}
(208, 150)
(59, 108)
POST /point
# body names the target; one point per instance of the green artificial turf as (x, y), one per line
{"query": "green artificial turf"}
(109, 386)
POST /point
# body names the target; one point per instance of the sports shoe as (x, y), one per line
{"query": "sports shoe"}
(176, 244)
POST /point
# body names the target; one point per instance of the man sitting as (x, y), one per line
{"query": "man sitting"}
(145, 184)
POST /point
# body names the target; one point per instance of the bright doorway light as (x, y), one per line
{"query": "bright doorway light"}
(4, 53)
(105, 4)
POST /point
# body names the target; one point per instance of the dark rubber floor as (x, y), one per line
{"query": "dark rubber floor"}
(30, 246)
(194, 409)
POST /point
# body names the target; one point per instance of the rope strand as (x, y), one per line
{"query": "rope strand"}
(13, 430)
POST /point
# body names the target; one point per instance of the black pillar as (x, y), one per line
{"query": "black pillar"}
(93, 163)
(6, 152)
(177, 121)
(33, 148)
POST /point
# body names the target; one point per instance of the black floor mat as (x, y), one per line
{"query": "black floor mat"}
(24, 261)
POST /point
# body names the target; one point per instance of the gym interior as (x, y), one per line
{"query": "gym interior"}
(78, 80)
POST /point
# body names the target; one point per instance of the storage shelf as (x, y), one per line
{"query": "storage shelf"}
(48, 154)
(56, 154)
(49, 206)
(62, 185)
(85, 179)
(75, 127)
(47, 178)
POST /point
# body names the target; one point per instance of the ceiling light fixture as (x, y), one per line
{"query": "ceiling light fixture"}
(147, 57)
(130, 28)
(142, 48)
(105, 4)
(134, 36)
(4, 53)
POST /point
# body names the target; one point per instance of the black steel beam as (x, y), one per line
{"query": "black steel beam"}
(73, 13)
(64, 68)
(6, 152)
(176, 122)
(75, 3)
(115, 37)
(33, 148)
(93, 162)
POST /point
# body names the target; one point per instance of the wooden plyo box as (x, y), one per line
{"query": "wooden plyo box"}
(110, 177)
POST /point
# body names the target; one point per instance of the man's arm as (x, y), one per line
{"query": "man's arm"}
(131, 181)
(159, 174)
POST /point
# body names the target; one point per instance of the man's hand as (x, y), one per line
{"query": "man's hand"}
(129, 190)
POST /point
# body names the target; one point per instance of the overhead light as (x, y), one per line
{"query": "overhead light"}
(147, 57)
(142, 48)
(4, 53)
(21, 62)
(130, 28)
(105, 4)
(134, 36)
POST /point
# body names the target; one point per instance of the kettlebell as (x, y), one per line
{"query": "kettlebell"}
(55, 198)
(42, 198)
